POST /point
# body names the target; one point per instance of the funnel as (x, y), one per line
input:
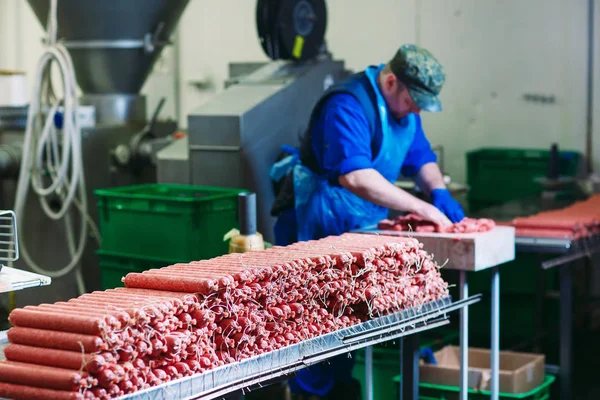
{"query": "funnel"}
(113, 43)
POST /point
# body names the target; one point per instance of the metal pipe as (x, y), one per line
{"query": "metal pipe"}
(495, 350)
(369, 373)
(590, 89)
(247, 213)
(177, 74)
(409, 368)
(566, 330)
(464, 338)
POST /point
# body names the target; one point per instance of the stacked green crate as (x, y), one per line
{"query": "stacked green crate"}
(386, 360)
(499, 175)
(113, 266)
(386, 365)
(154, 225)
(428, 391)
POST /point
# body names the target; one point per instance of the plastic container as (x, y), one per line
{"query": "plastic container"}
(386, 365)
(114, 266)
(244, 243)
(498, 175)
(386, 361)
(429, 391)
(166, 221)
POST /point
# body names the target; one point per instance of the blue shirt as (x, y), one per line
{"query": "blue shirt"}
(343, 141)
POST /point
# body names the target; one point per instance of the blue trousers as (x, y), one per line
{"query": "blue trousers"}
(320, 378)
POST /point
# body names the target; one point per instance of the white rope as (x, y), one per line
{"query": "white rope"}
(52, 155)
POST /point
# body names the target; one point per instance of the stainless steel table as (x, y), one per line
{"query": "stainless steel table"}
(566, 252)
(464, 315)
(563, 252)
(254, 372)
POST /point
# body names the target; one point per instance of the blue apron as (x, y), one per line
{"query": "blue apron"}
(323, 209)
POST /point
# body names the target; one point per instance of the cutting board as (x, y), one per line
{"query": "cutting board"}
(464, 251)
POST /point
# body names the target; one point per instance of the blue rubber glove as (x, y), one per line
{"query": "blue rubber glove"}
(428, 356)
(58, 120)
(443, 201)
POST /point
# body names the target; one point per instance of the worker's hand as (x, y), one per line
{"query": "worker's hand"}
(430, 213)
(443, 200)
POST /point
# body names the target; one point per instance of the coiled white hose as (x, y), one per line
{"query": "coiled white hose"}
(49, 155)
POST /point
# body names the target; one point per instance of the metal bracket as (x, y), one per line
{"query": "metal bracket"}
(203, 147)
(390, 334)
(579, 249)
(149, 43)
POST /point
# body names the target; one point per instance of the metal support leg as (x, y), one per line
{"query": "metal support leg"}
(495, 350)
(464, 338)
(409, 352)
(369, 373)
(566, 330)
(589, 288)
(540, 294)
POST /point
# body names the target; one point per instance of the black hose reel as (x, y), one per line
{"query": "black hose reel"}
(291, 29)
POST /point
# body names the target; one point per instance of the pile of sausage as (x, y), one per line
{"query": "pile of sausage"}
(416, 223)
(579, 220)
(185, 319)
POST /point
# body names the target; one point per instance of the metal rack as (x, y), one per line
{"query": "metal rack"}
(252, 373)
(9, 244)
(12, 279)
(565, 252)
(464, 316)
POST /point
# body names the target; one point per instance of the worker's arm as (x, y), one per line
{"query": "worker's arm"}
(342, 144)
(421, 164)
(372, 186)
(429, 178)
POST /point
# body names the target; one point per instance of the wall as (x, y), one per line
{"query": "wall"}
(596, 93)
(494, 52)
(209, 41)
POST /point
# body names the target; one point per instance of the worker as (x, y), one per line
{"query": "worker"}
(364, 132)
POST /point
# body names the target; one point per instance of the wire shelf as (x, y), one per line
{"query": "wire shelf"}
(12, 279)
(9, 243)
(251, 373)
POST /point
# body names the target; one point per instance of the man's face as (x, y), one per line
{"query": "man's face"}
(398, 98)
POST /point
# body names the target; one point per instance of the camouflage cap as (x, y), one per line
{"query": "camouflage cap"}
(422, 74)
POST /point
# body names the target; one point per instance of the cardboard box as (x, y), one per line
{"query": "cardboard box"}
(519, 372)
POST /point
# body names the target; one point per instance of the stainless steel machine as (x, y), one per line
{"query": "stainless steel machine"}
(234, 139)
(114, 46)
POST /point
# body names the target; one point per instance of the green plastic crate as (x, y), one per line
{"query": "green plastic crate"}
(386, 365)
(428, 391)
(386, 361)
(114, 266)
(498, 175)
(166, 221)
